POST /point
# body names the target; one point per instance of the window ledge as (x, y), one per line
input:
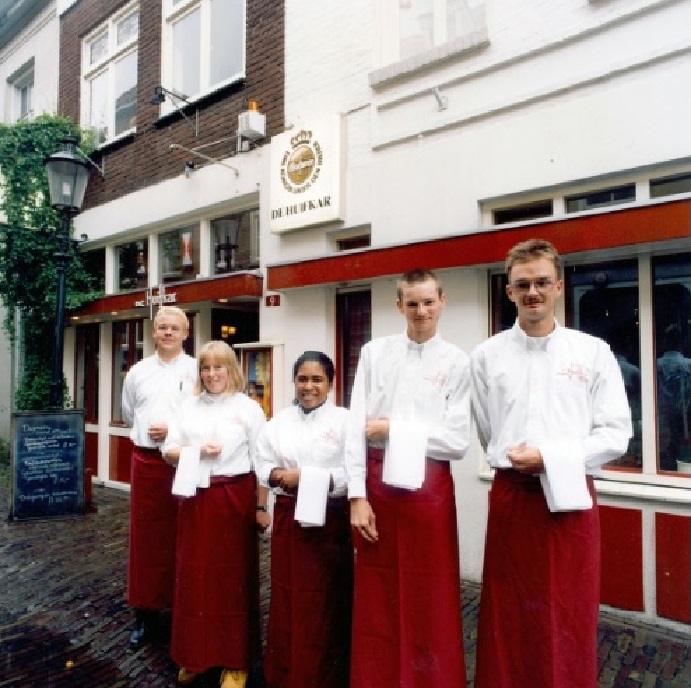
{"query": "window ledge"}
(669, 494)
(460, 47)
(115, 143)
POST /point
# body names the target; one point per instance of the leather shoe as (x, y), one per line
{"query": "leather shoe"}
(144, 628)
(139, 636)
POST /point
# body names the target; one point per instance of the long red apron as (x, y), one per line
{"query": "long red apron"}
(311, 599)
(407, 623)
(540, 595)
(216, 609)
(153, 529)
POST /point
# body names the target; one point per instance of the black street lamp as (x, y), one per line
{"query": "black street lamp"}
(68, 176)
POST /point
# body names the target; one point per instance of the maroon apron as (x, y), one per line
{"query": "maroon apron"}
(540, 595)
(216, 608)
(407, 624)
(153, 528)
(311, 599)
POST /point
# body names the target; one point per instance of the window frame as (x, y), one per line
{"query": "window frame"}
(106, 66)
(174, 11)
(23, 80)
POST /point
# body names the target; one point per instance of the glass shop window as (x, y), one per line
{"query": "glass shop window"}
(235, 242)
(128, 349)
(132, 264)
(672, 324)
(179, 254)
(602, 300)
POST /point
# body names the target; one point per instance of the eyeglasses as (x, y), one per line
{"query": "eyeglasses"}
(542, 285)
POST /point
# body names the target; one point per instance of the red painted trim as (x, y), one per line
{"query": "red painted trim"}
(629, 226)
(622, 541)
(243, 284)
(673, 566)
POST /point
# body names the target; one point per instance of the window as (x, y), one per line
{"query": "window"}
(128, 349)
(354, 313)
(109, 69)
(86, 388)
(666, 186)
(179, 254)
(235, 242)
(602, 300)
(350, 243)
(22, 86)
(132, 261)
(524, 212)
(203, 45)
(425, 24)
(601, 198)
(95, 266)
(672, 324)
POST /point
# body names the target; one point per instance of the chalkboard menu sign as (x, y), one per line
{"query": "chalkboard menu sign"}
(47, 453)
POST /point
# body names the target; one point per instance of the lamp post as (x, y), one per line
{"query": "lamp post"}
(68, 176)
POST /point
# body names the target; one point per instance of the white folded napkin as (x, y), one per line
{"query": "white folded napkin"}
(564, 484)
(405, 455)
(187, 472)
(313, 492)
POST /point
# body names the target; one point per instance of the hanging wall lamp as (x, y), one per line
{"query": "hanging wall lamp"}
(159, 97)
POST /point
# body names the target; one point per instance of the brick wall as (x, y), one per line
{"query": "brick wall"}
(146, 158)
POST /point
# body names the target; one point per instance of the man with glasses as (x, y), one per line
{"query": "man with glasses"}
(551, 409)
(152, 390)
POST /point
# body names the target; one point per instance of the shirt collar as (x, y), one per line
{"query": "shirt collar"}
(534, 343)
(420, 348)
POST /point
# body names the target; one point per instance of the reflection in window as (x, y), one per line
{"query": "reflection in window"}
(128, 349)
(672, 313)
(94, 262)
(424, 24)
(109, 76)
(667, 186)
(235, 242)
(601, 198)
(204, 44)
(132, 261)
(179, 254)
(602, 300)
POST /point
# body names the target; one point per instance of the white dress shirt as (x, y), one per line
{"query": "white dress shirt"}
(231, 420)
(293, 439)
(152, 392)
(422, 389)
(563, 394)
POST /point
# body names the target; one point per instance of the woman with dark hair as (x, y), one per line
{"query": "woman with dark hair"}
(216, 602)
(300, 456)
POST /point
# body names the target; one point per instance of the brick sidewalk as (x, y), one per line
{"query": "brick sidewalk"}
(64, 621)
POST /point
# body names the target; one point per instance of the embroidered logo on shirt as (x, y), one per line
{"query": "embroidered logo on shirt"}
(575, 372)
(331, 436)
(438, 379)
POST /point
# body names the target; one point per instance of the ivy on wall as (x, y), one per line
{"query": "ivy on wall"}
(28, 243)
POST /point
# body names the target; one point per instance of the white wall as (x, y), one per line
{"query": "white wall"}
(40, 41)
(565, 92)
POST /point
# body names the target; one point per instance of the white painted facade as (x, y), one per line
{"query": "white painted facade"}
(547, 98)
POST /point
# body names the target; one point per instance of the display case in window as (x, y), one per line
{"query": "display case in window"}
(132, 260)
(179, 254)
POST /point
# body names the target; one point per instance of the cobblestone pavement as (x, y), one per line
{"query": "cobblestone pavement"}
(64, 621)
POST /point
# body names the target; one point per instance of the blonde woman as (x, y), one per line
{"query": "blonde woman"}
(216, 603)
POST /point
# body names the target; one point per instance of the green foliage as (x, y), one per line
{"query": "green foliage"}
(27, 247)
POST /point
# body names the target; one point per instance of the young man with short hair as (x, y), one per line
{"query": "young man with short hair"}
(152, 391)
(409, 417)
